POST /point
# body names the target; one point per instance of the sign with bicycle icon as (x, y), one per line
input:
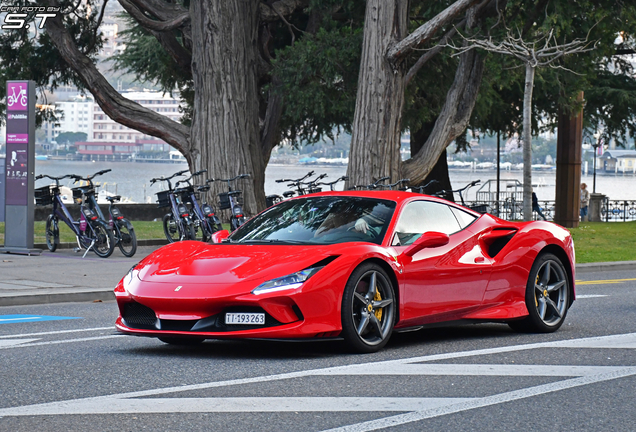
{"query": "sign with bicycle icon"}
(17, 98)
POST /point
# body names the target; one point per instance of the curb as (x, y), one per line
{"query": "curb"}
(35, 299)
(71, 245)
(605, 266)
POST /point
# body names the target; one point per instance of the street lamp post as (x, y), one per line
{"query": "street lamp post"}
(595, 145)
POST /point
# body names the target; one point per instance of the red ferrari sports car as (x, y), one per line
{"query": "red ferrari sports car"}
(356, 265)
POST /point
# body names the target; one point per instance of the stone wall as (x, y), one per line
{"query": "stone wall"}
(132, 212)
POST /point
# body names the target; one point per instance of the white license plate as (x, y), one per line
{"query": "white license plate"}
(245, 318)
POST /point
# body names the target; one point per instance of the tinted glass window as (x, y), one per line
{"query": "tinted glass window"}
(419, 217)
(464, 218)
(319, 220)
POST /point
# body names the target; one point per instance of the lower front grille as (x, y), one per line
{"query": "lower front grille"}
(136, 315)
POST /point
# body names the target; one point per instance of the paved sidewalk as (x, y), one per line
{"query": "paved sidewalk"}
(64, 276)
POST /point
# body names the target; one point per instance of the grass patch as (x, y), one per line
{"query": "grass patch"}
(145, 230)
(593, 241)
(605, 241)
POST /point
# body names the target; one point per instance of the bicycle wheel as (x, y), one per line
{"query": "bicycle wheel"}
(127, 240)
(104, 240)
(200, 229)
(190, 233)
(171, 228)
(52, 233)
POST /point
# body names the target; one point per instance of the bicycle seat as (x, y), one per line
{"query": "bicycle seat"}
(289, 194)
(235, 193)
(114, 198)
(203, 188)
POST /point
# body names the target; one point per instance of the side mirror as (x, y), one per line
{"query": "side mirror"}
(219, 236)
(430, 239)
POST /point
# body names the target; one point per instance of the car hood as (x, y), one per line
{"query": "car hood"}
(196, 262)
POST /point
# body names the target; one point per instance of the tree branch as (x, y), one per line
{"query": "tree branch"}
(160, 9)
(151, 24)
(272, 12)
(179, 54)
(117, 107)
(425, 32)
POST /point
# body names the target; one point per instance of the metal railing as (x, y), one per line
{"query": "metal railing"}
(618, 210)
(511, 209)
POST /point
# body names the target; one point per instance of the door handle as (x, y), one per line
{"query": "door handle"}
(480, 259)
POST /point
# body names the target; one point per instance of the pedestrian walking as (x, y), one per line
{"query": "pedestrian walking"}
(585, 200)
(535, 205)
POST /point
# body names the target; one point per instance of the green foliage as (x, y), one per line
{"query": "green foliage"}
(318, 78)
(71, 137)
(146, 59)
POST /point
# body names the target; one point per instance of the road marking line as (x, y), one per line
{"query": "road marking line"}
(21, 318)
(8, 343)
(236, 404)
(585, 296)
(57, 332)
(60, 341)
(614, 341)
(411, 417)
(607, 281)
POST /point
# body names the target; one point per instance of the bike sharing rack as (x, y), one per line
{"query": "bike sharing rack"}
(19, 169)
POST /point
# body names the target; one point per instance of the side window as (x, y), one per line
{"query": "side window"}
(464, 218)
(419, 217)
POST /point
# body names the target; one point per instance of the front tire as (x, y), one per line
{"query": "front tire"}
(368, 309)
(547, 296)
(104, 240)
(52, 233)
(171, 228)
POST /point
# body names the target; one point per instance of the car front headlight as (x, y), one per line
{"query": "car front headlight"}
(127, 280)
(292, 281)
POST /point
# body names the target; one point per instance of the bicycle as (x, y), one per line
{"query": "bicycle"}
(480, 208)
(122, 229)
(179, 227)
(371, 186)
(230, 200)
(333, 183)
(302, 188)
(90, 232)
(13, 98)
(203, 215)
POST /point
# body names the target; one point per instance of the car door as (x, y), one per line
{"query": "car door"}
(444, 282)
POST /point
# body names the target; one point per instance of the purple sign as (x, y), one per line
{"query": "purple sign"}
(17, 138)
(16, 171)
(17, 96)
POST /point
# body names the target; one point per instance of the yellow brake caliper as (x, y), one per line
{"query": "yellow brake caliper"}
(536, 302)
(378, 312)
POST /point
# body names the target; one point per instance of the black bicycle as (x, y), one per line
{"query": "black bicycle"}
(90, 231)
(122, 229)
(203, 215)
(177, 224)
(373, 186)
(480, 208)
(332, 184)
(231, 200)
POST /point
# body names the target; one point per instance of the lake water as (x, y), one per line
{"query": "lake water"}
(133, 179)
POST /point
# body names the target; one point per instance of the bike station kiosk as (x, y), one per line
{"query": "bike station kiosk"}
(19, 169)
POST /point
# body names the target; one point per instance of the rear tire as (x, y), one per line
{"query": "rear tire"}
(547, 296)
(127, 239)
(104, 240)
(52, 233)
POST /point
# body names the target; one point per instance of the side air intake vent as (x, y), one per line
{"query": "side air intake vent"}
(139, 316)
(494, 241)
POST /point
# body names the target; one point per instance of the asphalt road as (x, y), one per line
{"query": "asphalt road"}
(79, 374)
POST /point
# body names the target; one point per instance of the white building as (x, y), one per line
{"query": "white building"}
(107, 130)
(75, 115)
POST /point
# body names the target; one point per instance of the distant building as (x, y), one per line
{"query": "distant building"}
(75, 117)
(623, 161)
(107, 130)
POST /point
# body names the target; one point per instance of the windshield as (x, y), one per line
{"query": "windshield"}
(319, 220)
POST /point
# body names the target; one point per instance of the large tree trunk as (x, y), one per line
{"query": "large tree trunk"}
(439, 173)
(375, 143)
(453, 119)
(527, 144)
(225, 132)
